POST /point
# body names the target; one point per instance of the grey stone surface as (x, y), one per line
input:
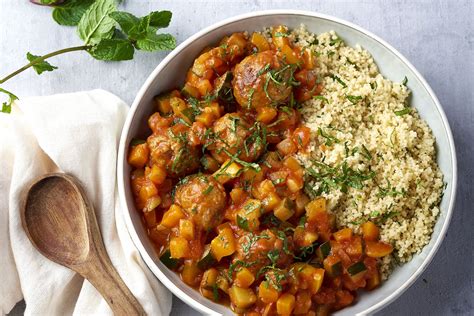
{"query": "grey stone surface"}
(436, 36)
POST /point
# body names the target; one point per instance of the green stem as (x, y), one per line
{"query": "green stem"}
(42, 58)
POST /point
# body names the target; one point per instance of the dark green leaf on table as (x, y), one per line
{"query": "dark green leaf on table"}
(128, 22)
(96, 24)
(71, 12)
(160, 19)
(113, 49)
(154, 42)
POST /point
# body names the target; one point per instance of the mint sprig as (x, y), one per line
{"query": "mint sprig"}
(107, 34)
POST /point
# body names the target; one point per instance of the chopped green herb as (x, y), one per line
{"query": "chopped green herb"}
(354, 99)
(263, 70)
(280, 34)
(208, 190)
(215, 292)
(273, 255)
(390, 191)
(335, 41)
(243, 223)
(402, 112)
(320, 97)
(329, 138)
(366, 153)
(341, 176)
(336, 78)
(282, 236)
(405, 81)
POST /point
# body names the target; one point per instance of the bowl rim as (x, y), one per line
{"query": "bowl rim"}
(131, 114)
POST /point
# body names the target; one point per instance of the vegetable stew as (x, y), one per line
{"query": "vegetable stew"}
(223, 197)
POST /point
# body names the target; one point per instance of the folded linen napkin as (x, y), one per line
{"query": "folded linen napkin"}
(76, 133)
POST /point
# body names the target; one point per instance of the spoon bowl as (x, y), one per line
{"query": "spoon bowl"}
(61, 223)
(53, 225)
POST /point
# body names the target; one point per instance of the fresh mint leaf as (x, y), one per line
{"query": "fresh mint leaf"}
(113, 49)
(126, 20)
(7, 106)
(96, 24)
(154, 42)
(71, 12)
(160, 19)
(41, 66)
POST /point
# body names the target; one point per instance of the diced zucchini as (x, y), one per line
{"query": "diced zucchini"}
(356, 268)
(207, 260)
(223, 87)
(333, 266)
(169, 262)
(323, 250)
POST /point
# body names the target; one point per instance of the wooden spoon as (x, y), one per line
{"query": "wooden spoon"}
(61, 224)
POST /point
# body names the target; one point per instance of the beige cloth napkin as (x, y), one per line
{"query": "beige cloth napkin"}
(76, 133)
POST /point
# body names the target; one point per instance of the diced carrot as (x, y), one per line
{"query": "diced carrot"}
(377, 249)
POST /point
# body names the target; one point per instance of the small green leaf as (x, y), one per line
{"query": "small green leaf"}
(7, 106)
(41, 66)
(126, 20)
(96, 24)
(113, 49)
(402, 112)
(160, 19)
(154, 42)
(71, 12)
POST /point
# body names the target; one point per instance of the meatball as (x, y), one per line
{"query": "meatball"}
(173, 153)
(203, 198)
(232, 135)
(255, 248)
(261, 80)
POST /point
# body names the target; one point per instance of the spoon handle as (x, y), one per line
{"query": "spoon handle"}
(103, 276)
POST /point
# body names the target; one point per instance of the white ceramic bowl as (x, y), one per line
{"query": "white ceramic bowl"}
(170, 73)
